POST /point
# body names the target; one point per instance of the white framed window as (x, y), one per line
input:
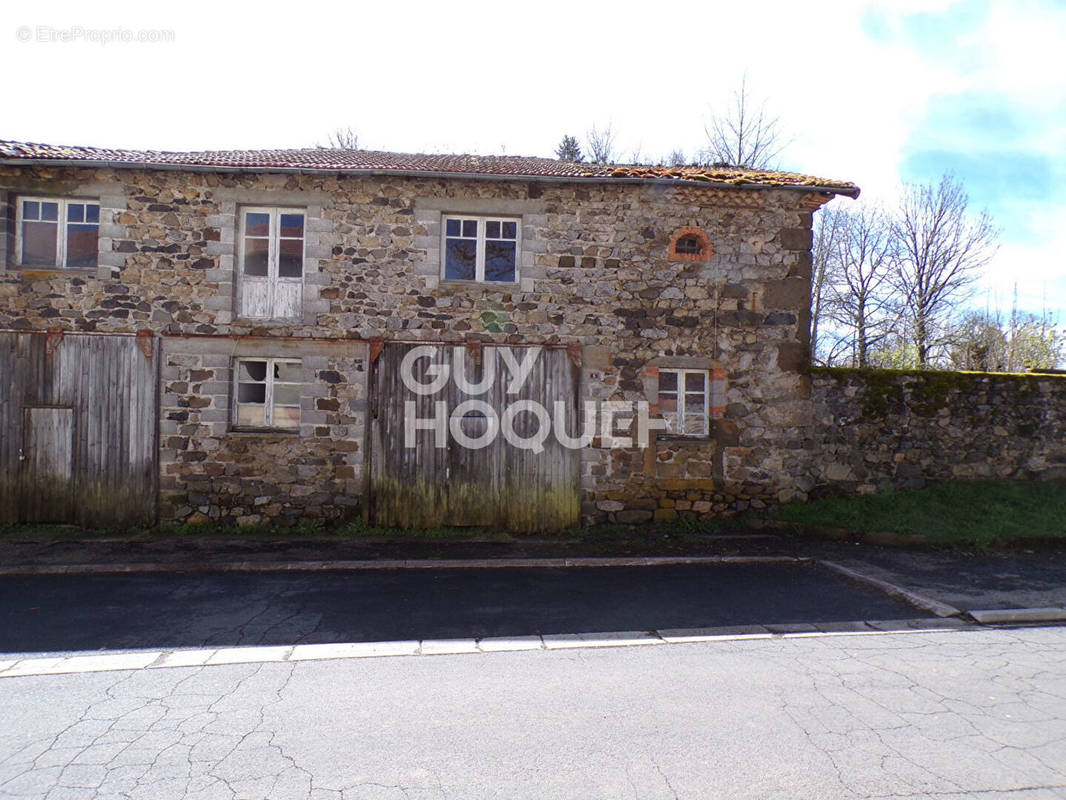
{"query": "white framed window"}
(271, 263)
(266, 393)
(57, 232)
(683, 401)
(481, 249)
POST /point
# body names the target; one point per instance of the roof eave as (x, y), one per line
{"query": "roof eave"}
(852, 192)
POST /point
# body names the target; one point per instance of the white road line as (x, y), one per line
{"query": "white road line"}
(161, 659)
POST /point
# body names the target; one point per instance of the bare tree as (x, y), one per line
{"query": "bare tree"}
(857, 294)
(601, 145)
(827, 225)
(569, 149)
(745, 135)
(941, 251)
(983, 341)
(676, 158)
(342, 139)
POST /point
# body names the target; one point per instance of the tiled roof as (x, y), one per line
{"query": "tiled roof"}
(335, 160)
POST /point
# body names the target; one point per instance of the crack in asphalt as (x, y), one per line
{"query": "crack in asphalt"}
(872, 710)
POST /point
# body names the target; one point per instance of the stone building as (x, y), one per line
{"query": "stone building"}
(420, 338)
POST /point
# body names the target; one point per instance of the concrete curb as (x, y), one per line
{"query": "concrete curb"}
(342, 566)
(1006, 616)
(891, 589)
(343, 651)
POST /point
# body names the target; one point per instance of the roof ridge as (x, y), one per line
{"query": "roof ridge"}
(501, 166)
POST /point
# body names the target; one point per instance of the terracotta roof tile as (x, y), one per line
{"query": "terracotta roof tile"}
(335, 160)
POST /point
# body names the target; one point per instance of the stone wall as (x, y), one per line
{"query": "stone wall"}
(212, 472)
(595, 271)
(879, 429)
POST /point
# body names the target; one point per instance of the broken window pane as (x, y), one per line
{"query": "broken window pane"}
(253, 371)
(288, 371)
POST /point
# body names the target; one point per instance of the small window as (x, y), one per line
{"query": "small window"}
(267, 394)
(271, 263)
(57, 232)
(690, 244)
(480, 249)
(683, 401)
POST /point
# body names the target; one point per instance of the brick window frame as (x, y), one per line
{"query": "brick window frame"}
(685, 236)
(715, 390)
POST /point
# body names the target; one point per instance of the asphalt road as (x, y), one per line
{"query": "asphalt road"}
(965, 713)
(91, 612)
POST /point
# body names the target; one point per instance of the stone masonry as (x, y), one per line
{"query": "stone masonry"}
(595, 270)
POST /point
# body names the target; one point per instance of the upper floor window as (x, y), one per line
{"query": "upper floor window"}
(690, 244)
(271, 263)
(480, 249)
(683, 401)
(57, 232)
(267, 394)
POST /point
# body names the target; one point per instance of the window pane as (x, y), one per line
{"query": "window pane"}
(671, 422)
(251, 415)
(499, 261)
(459, 259)
(31, 209)
(470, 228)
(251, 393)
(292, 225)
(452, 227)
(92, 212)
(286, 395)
(510, 230)
(287, 372)
(286, 417)
(39, 243)
(253, 371)
(291, 258)
(255, 257)
(694, 381)
(695, 425)
(81, 245)
(492, 229)
(50, 212)
(667, 381)
(75, 212)
(689, 245)
(667, 403)
(256, 224)
(695, 420)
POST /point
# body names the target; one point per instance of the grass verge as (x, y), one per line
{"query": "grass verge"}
(982, 514)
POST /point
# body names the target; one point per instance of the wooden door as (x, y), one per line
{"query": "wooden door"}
(420, 480)
(47, 490)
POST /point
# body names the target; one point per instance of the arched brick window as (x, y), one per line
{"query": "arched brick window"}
(690, 244)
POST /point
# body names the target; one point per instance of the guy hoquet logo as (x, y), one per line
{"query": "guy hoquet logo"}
(599, 418)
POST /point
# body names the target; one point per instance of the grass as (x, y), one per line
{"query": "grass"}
(977, 515)
(981, 514)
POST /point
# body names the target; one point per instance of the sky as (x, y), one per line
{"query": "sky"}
(879, 92)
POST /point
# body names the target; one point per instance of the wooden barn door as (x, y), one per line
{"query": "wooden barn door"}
(496, 485)
(48, 465)
(78, 422)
